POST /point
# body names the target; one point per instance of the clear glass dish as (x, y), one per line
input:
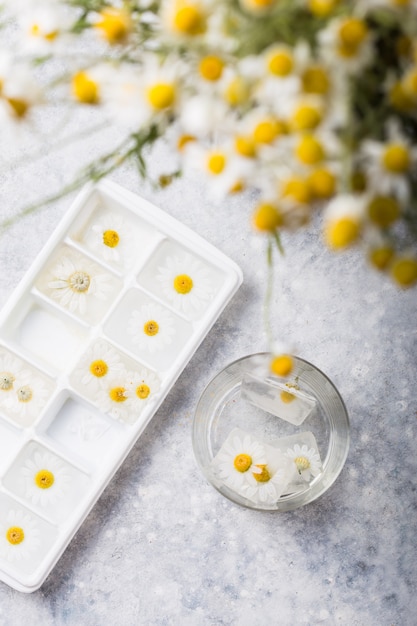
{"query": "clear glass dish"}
(222, 408)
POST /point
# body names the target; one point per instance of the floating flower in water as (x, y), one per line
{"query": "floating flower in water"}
(115, 397)
(151, 327)
(19, 535)
(45, 478)
(185, 282)
(75, 280)
(307, 461)
(100, 360)
(111, 237)
(237, 458)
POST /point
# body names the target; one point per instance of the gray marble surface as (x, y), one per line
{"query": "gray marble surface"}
(162, 547)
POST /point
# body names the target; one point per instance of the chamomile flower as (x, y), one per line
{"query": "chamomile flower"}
(111, 236)
(45, 479)
(116, 397)
(278, 78)
(90, 85)
(184, 18)
(19, 535)
(45, 28)
(237, 458)
(114, 24)
(19, 91)
(267, 481)
(258, 7)
(100, 361)
(10, 369)
(346, 44)
(185, 282)
(202, 115)
(151, 327)
(306, 461)
(343, 219)
(388, 164)
(75, 280)
(144, 385)
(28, 398)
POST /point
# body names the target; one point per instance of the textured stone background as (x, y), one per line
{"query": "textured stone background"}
(162, 547)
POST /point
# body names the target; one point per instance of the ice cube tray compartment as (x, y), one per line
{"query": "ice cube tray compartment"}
(97, 332)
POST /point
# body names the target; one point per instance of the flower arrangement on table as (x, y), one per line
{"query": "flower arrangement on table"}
(311, 102)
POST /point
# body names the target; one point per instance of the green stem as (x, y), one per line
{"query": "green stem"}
(268, 293)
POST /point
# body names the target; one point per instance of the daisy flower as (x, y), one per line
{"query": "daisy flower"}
(185, 282)
(239, 455)
(88, 86)
(143, 385)
(184, 18)
(19, 535)
(388, 164)
(151, 327)
(19, 91)
(346, 44)
(116, 397)
(45, 28)
(29, 396)
(75, 280)
(306, 461)
(10, 368)
(45, 479)
(267, 481)
(343, 219)
(111, 236)
(99, 361)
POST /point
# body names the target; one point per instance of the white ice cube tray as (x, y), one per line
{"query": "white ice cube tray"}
(60, 424)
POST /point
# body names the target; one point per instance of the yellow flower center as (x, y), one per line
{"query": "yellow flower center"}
(118, 394)
(322, 183)
(189, 20)
(19, 107)
(280, 63)
(151, 328)
(237, 187)
(15, 535)
(79, 281)
(237, 92)
(268, 130)
(400, 98)
(381, 257)
(410, 83)
(216, 163)
(183, 283)
(383, 211)
(309, 150)
(342, 233)
(99, 368)
(44, 479)
(114, 24)
(302, 463)
(85, 90)
(6, 381)
(264, 476)
(143, 391)
(245, 146)
(267, 217)
(24, 394)
(404, 271)
(297, 189)
(111, 238)
(183, 141)
(315, 80)
(282, 365)
(211, 68)
(287, 397)
(352, 33)
(242, 462)
(161, 96)
(322, 8)
(306, 117)
(396, 158)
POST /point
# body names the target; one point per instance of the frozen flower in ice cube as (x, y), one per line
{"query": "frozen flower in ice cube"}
(75, 280)
(45, 478)
(116, 397)
(267, 481)
(185, 282)
(99, 361)
(111, 236)
(28, 397)
(306, 461)
(10, 368)
(151, 327)
(19, 535)
(240, 455)
(143, 384)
